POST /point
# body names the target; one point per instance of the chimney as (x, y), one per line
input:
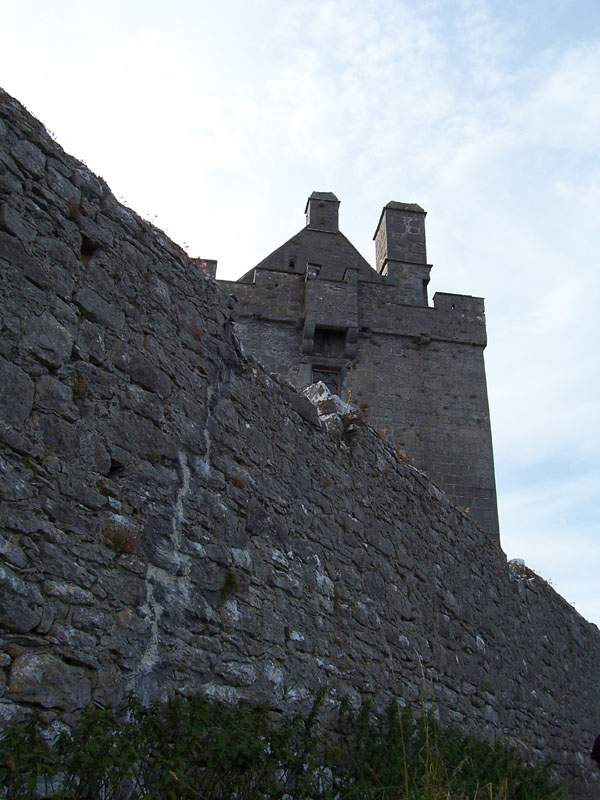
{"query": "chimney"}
(400, 235)
(322, 212)
(400, 251)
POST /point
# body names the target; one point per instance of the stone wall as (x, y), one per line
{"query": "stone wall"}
(175, 520)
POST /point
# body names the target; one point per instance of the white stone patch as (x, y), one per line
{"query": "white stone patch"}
(220, 504)
(296, 636)
(152, 609)
(324, 583)
(199, 548)
(231, 610)
(298, 693)
(241, 558)
(277, 557)
(202, 467)
(225, 694)
(330, 668)
(273, 673)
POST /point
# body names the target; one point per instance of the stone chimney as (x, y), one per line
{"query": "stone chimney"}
(322, 212)
(400, 251)
(400, 235)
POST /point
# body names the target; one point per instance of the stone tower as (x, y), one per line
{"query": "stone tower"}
(316, 310)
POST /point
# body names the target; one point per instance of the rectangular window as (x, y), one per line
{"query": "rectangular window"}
(328, 343)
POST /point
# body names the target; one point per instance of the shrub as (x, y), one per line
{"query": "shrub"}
(199, 748)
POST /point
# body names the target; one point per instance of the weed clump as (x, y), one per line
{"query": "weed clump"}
(123, 539)
(199, 748)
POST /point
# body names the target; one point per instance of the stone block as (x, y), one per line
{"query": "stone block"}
(140, 368)
(44, 680)
(15, 223)
(16, 394)
(96, 309)
(48, 340)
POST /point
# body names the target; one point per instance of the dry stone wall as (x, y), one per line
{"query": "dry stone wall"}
(174, 520)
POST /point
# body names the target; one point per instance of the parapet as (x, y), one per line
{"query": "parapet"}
(461, 303)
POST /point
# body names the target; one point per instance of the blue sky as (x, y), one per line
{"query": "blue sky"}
(216, 121)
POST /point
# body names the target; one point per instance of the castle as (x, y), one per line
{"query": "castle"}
(176, 520)
(316, 310)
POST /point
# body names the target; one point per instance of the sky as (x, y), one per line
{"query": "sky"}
(216, 121)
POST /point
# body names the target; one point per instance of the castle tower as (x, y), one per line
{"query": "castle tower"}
(314, 309)
(400, 251)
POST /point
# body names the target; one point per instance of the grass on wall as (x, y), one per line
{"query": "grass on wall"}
(199, 749)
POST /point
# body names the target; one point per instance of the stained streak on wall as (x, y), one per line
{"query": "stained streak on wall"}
(174, 520)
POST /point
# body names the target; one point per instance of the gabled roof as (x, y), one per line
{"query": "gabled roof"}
(332, 251)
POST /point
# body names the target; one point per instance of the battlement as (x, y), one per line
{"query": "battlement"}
(462, 304)
(315, 309)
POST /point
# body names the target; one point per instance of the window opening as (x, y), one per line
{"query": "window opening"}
(331, 379)
(329, 343)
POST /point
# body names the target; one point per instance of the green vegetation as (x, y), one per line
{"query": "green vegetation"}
(230, 586)
(123, 539)
(197, 748)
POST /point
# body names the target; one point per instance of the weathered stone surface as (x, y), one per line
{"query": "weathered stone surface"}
(12, 553)
(89, 345)
(173, 520)
(15, 223)
(303, 408)
(54, 272)
(12, 251)
(48, 340)
(53, 395)
(30, 158)
(20, 602)
(44, 679)
(98, 310)
(16, 394)
(141, 370)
